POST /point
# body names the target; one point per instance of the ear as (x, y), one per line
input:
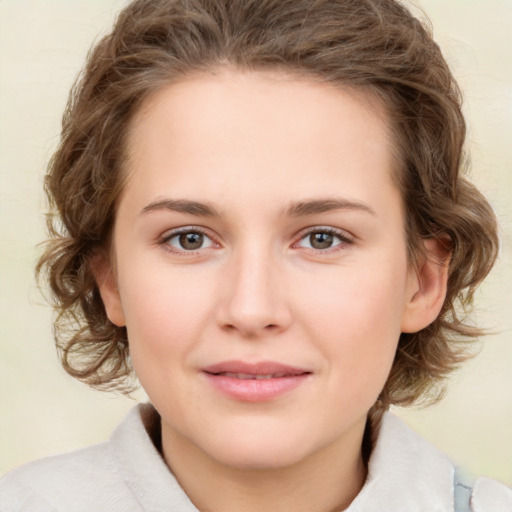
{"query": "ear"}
(427, 286)
(105, 277)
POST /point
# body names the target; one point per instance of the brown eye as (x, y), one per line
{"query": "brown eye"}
(324, 239)
(188, 241)
(321, 240)
(191, 241)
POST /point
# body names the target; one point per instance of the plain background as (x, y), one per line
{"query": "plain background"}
(43, 411)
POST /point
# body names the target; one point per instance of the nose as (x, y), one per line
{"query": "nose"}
(255, 300)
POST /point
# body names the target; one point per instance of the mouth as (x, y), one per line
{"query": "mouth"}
(254, 382)
(255, 376)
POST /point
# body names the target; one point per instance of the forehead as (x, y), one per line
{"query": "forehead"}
(259, 131)
(227, 95)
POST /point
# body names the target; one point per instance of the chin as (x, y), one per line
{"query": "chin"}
(260, 448)
(261, 457)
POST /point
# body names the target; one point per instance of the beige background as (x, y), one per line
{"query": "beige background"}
(43, 411)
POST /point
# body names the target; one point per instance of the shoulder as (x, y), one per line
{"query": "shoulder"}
(489, 495)
(62, 482)
(406, 472)
(94, 478)
(127, 473)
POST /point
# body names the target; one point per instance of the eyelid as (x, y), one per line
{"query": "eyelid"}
(164, 239)
(345, 238)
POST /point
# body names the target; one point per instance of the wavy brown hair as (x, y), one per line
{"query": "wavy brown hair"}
(372, 45)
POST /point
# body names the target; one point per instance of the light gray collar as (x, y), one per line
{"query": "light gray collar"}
(405, 474)
(141, 465)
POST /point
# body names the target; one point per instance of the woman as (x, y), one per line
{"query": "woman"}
(264, 214)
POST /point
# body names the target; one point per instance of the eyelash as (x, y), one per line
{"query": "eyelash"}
(340, 235)
(165, 240)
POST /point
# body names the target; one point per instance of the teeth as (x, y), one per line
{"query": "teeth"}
(248, 376)
(245, 376)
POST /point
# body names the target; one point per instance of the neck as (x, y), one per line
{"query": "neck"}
(326, 481)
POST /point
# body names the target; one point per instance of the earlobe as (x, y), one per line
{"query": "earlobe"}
(104, 275)
(428, 284)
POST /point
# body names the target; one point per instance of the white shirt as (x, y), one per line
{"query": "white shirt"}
(128, 474)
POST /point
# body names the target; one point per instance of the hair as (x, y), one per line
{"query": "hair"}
(376, 46)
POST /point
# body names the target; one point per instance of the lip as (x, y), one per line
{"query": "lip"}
(254, 382)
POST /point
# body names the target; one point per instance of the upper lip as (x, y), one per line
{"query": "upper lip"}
(259, 368)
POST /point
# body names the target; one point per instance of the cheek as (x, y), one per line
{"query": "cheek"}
(355, 319)
(165, 316)
(364, 299)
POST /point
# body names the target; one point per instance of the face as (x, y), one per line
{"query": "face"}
(260, 264)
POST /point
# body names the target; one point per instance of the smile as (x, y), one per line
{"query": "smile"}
(249, 382)
(247, 376)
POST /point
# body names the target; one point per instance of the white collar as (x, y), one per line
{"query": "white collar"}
(405, 474)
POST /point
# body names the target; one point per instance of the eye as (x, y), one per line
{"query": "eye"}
(188, 240)
(323, 239)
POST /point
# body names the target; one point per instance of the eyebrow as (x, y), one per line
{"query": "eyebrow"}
(296, 209)
(316, 206)
(183, 206)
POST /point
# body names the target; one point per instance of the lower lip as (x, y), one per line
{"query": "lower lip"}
(254, 390)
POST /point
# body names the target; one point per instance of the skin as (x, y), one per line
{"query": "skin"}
(254, 147)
